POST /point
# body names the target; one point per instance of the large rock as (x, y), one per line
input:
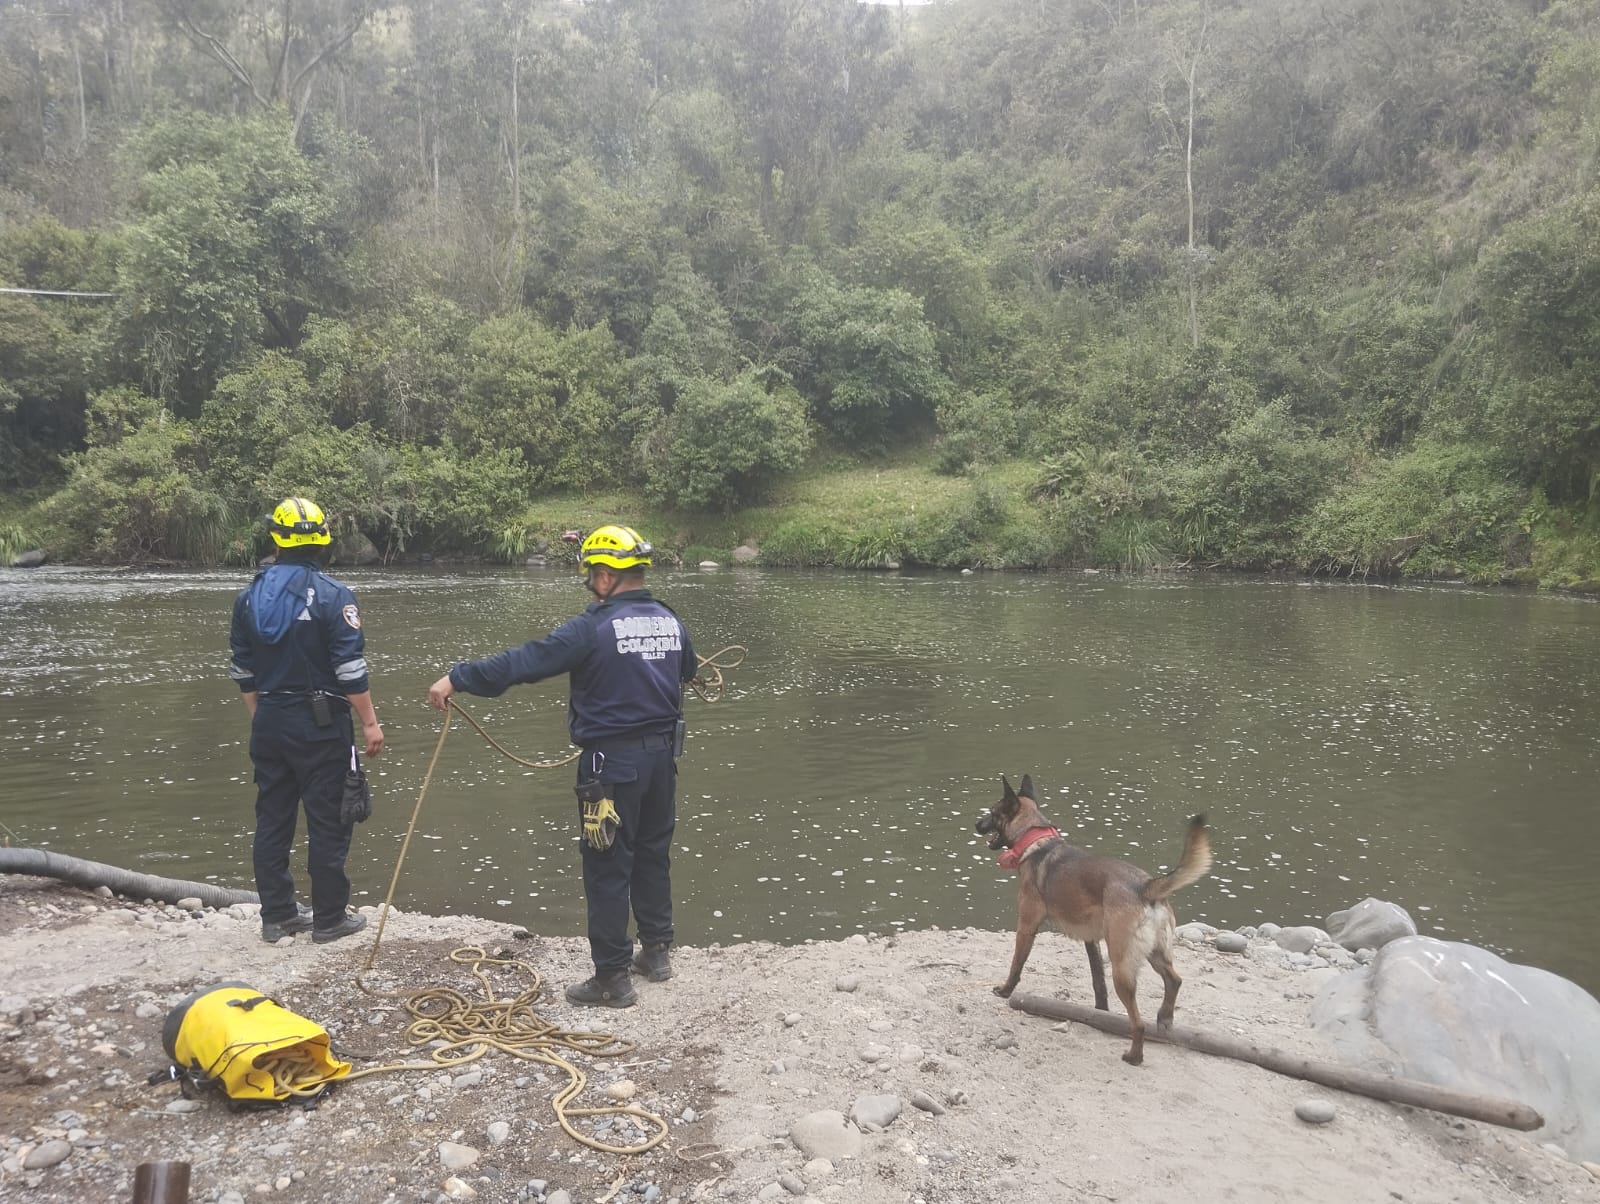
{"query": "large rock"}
(1461, 1017)
(1302, 939)
(874, 1112)
(355, 548)
(745, 554)
(1370, 924)
(30, 559)
(826, 1134)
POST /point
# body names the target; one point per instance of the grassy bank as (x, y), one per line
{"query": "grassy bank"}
(1023, 514)
(1431, 514)
(836, 512)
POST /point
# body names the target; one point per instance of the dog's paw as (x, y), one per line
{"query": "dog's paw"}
(1133, 1059)
(1004, 990)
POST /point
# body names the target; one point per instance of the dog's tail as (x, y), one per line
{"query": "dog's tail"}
(1194, 865)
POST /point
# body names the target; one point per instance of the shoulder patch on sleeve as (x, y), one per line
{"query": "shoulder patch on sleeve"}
(352, 616)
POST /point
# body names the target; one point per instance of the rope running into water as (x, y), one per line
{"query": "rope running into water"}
(708, 685)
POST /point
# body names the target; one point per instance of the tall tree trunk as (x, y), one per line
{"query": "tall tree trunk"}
(83, 108)
(1188, 182)
(1193, 264)
(514, 251)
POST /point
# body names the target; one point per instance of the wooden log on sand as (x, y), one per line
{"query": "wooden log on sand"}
(1507, 1113)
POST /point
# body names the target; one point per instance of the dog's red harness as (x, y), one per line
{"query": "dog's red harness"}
(1012, 857)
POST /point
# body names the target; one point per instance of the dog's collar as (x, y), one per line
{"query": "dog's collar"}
(1012, 857)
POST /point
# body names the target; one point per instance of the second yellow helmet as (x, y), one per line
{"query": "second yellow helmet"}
(615, 547)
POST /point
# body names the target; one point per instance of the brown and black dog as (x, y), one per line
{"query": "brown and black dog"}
(1093, 899)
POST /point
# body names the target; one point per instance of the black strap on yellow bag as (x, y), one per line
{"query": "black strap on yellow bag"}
(249, 1045)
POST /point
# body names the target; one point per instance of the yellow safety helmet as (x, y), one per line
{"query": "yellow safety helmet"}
(615, 547)
(297, 521)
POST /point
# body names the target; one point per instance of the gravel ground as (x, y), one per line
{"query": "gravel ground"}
(753, 1055)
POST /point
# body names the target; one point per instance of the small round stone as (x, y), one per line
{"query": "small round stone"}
(1315, 1111)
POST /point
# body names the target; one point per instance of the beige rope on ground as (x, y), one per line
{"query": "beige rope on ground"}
(467, 1029)
(462, 1030)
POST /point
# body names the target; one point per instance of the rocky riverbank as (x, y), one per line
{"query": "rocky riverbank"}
(874, 1069)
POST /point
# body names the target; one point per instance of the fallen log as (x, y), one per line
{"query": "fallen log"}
(41, 863)
(1506, 1113)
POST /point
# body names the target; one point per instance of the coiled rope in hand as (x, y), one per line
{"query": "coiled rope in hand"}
(707, 681)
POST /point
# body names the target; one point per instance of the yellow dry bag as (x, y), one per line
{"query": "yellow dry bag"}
(250, 1046)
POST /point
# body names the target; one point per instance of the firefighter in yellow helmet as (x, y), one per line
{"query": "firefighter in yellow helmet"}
(299, 657)
(627, 656)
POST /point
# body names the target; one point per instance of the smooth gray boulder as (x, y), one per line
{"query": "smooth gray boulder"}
(1461, 1017)
(874, 1112)
(1370, 924)
(1302, 939)
(31, 559)
(355, 548)
(826, 1134)
(745, 554)
(1232, 942)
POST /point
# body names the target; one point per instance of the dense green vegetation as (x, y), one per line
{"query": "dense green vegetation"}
(1014, 282)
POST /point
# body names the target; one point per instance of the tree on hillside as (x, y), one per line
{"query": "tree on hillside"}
(274, 50)
(234, 240)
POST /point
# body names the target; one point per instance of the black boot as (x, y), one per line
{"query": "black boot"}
(652, 961)
(613, 989)
(274, 931)
(350, 924)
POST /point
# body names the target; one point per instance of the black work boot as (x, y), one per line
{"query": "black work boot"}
(274, 931)
(613, 989)
(652, 961)
(351, 923)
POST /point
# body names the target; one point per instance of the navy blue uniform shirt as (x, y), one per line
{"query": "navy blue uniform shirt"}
(295, 629)
(628, 658)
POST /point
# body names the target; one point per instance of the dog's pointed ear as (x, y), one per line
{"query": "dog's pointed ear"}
(1010, 793)
(1027, 787)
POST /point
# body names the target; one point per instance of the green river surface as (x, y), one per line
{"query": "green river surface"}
(1433, 746)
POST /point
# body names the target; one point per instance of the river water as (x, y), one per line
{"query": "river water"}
(1436, 747)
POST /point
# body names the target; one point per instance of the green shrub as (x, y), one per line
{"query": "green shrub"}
(726, 443)
(1439, 509)
(977, 428)
(141, 499)
(1565, 545)
(1249, 497)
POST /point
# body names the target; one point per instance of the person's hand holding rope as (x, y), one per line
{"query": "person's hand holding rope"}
(469, 1029)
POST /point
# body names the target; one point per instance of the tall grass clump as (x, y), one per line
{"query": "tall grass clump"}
(13, 542)
(801, 543)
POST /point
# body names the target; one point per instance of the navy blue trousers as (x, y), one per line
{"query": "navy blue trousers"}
(634, 873)
(297, 762)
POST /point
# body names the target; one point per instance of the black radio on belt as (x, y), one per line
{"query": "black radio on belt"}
(321, 709)
(678, 729)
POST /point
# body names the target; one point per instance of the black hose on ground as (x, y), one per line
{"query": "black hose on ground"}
(41, 863)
